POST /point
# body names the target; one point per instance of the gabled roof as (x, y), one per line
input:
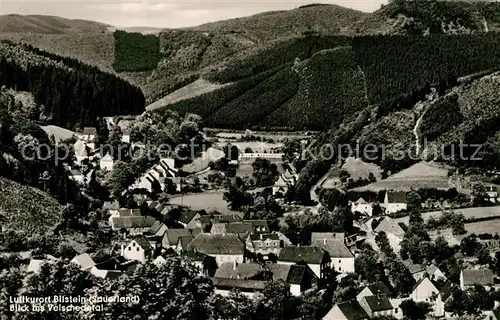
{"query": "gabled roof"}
(378, 303)
(155, 227)
(217, 244)
(352, 310)
(484, 277)
(422, 280)
(327, 235)
(133, 222)
(228, 284)
(361, 201)
(281, 182)
(379, 288)
(239, 227)
(396, 196)
(307, 254)
(187, 216)
(184, 241)
(107, 157)
(195, 256)
(292, 274)
(171, 236)
(259, 225)
(84, 261)
(221, 218)
(264, 237)
(389, 225)
(143, 242)
(218, 228)
(336, 248)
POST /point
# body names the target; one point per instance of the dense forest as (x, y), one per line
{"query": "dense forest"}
(441, 117)
(136, 52)
(70, 94)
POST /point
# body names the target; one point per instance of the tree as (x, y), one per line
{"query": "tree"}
(235, 306)
(470, 245)
(176, 281)
(414, 203)
(415, 311)
(366, 265)
(401, 278)
(121, 178)
(479, 194)
(273, 303)
(264, 172)
(384, 245)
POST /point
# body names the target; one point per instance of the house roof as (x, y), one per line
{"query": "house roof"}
(482, 277)
(218, 228)
(352, 310)
(239, 227)
(327, 235)
(414, 268)
(307, 254)
(389, 225)
(195, 256)
(221, 218)
(89, 130)
(217, 244)
(133, 222)
(281, 182)
(378, 303)
(144, 243)
(238, 284)
(264, 237)
(155, 227)
(336, 248)
(361, 201)
(184, 241)
(396, 196)
(379, 288)
(107, 157)
(421, 280)
(187, 216)
(84, 261)
(259, 224)
(171, 236)
(432, 269)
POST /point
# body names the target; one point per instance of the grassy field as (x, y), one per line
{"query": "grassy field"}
(203, 201)
(420, 175)
(59, 133)
(357, 168)
(468, 213)
(202, 162)
(26, 208)
(489, 226)
(256, 146)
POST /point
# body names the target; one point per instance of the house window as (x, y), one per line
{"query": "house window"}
(396, 310)
(129, 248)
(340, 261)
(133, 244)
(137, 248)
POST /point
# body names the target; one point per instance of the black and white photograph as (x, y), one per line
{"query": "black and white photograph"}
(249, 159)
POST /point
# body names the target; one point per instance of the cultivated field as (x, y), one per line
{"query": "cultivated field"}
(192, 90)
(489, 226)
(420, 175)
(204, 201)
(468, 213)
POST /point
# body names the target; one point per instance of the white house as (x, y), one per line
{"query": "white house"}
(84, 261)
(81, 151)
(139, 249)
(316, 258)
(393, 230)
(107, 162)
(373, 290)
(362, 207)
(426, 290)
(224, 248)
(281, 186)
(349, 310)
(126, 135)
(342, 259)
(77, 176)
(171, 236)
(394, 201)
(376, 306)
(264, 244)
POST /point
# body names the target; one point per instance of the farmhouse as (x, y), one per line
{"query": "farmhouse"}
(107, 162)
(470, 277)
(224, 248)
(342, 260)
(126, 135)
(316, 258)
(350, 310)
(139, 249)
(327, 235)
(426, 290)
(378, 305)
(362, 207)
(264, 244)
(393, 230)
(83, 261)
(77, 176)
(171, 236)
(206, 221)
(134, 225)
(188, 219)
(374, 289)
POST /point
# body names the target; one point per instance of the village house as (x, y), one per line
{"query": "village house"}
(394, 201)
(82, 151)
(126, 135)
(419, 271)
(362, 207)
(161, 258)
(133, 225)
(205, 222)
(259, 226)
(470, 277)
(374, 289)
(349, 310)
(300, 278)
(157, 230)
(182, 244)
(264, 244)
(316, 258)
(83, 261)
(188, 219)
(281, 186)
(139, 249)
(246, 287)
(224, 248)
(114, 268)
(393, 230)
(434, 293)
(171, 236)
(77, 176)
(378, 306)
(342, 259)
(107, 162)
(241, 229)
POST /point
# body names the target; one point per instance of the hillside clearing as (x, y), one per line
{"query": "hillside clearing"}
(357, 168)
(197, 88)
(468, 213)
(26, 208)
(60, 134)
